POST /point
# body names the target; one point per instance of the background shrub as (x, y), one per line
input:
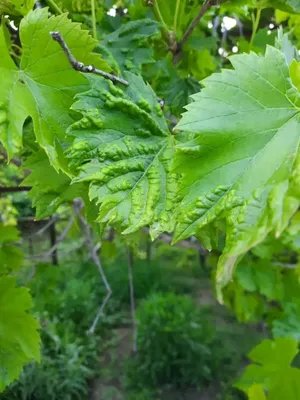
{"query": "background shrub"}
(174, 343)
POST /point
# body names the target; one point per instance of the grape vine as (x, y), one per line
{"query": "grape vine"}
(88, 117)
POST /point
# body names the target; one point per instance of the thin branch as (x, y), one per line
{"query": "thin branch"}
(255, 23)
(15, 189)
(51, 221)
(79, 66)
(168, 36)
(59, 240)
(205, 7)
(132, 303)
(78, 205)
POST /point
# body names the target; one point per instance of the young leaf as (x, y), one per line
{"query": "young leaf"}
(44, 86)
(123, 149)
(130, 44)
(243, 162)
(19, 338)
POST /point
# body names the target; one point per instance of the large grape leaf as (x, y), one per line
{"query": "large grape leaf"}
(123, 149)
(50, 188)
(243, 162)
(44, 86)
(19, 338)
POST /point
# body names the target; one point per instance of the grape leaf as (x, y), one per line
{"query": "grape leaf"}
(50, 188)
(292, 6)
(19, 338)
(123, 149)
(130, 44)
(289, 324)
(169, 85)
(8, 234)
(295, 73)
(256, 392)
(243, 162)
(272, 370)
(262, 277)
(45, 84)
(15, 7)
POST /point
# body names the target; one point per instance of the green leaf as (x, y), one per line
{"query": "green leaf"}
(279, 352)
(262, 277)
(289, 324)
(123, 149)
(8, 234)
(130, 44)
(16, 7)
(292, 6)
(243, 162)
(19, 338)
(273, 371)
(295, 73)
(11, 258)
(44, 86)
(256, 392)
(50, 188)
(284, 44)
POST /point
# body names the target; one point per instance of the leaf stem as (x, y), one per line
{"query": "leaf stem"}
(205, 7)
(54, 7)
(176, 16)
(256, 21)
(93, 7)
(164, 29)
